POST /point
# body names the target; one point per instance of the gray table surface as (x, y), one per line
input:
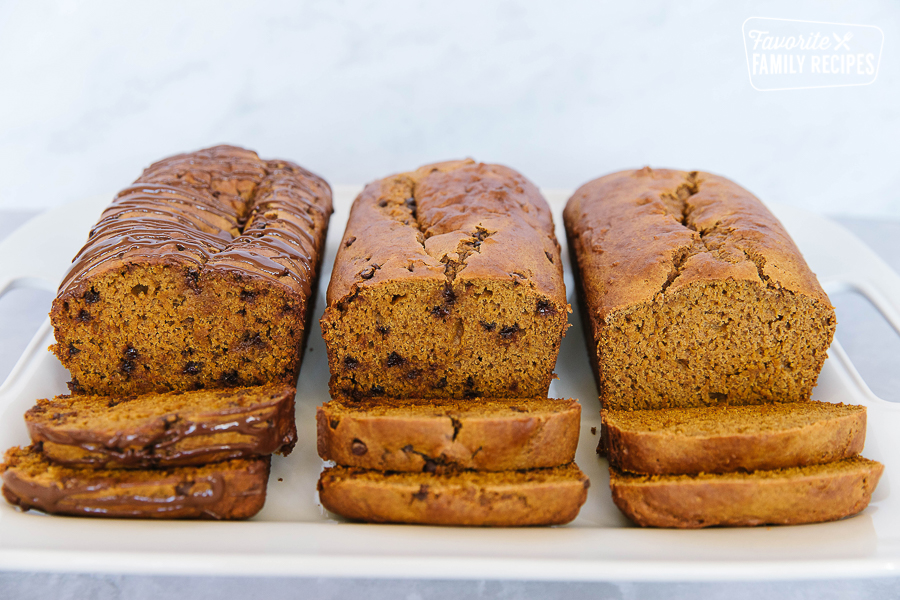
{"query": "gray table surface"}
(872, 345)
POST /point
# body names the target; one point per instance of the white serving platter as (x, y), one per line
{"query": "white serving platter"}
(293, 535)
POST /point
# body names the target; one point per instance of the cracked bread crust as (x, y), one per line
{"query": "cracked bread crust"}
(489, 434)
(198, 275)
(447, 283)
(692, 293)
(469, 498)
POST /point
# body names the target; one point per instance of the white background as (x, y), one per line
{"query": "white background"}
(92, 92)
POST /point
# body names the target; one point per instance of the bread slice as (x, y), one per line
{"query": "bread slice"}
(503, 499)
(732, 438)
(490, 434)
(810, 494)
(234, 489)
(172, 429)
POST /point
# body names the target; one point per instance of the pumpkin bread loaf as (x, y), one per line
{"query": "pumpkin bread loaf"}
(692, 293)
(234, 489)
(474, 498)
(810, 494)
(732, 438)
(198, 275)
(447, 284)
(165, 430)
(490, 434)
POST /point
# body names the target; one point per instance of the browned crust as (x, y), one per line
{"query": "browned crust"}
(810, 494)
(229, 490)
(514, 435)
(441, 238)
(645, 236)
(141, 432)
(511, 499)
(663, 452)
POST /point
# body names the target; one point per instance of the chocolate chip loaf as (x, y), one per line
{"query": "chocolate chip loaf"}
(447, 284)
(198, 275)
(693, 293)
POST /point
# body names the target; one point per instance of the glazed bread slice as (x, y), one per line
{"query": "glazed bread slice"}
(490, 434)
(718, 439)
(475, 498)
(198, 275)
(447, 284)
(164, 430)
(692, 293)
(233, 489)
(811, 494)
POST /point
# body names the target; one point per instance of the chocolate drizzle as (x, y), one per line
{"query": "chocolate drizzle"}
(265, 426)
(203, 492)
(222, 208)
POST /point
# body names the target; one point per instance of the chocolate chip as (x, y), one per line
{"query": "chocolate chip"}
(413, 374)
(247, 296)
(126, 366)
(383, 203)
(430, 466)
(350, 362)
(367, 273)
(549, 256)
(449, 295)
(184, 489)
(508, 332)
(192, 368)
(545, 308)
(376, 390)
(440, 311)
(395, 359)
(112, 403)
(334, 423)
(91, 296)
(179, 247)
(382, 329)
(358, 447)
(131, 354)
(411, 205)
(593, 431)
(84, 316)
(230, 378)
(440, 384)
(489, 326)
(193, 279)
(74, 386)
(422, 494)
(73, 350)
(349, 241)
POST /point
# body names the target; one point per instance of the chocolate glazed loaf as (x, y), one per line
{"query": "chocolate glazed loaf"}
(693, 293)
(201, 274)
(447, 283)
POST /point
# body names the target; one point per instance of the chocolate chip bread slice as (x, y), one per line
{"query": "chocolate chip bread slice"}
(477, 498)
(447, 284)
(234, 489)
(693, 293)
(200, 274)
(732, 438)
(491, 434)
(810, 494)
(164, 430)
